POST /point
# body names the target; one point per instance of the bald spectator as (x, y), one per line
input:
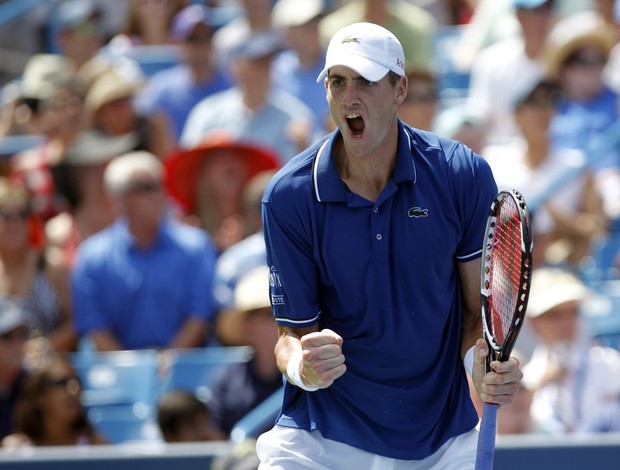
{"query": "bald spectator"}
(145, 281)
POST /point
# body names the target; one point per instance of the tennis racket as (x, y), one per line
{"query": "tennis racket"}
(505, 284)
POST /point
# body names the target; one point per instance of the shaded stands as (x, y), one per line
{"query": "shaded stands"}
(121, 388)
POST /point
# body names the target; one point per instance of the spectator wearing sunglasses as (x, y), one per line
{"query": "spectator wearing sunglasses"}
(575, 56)
(577, 53)
(49, 410)
(145, 281)
(39, 287)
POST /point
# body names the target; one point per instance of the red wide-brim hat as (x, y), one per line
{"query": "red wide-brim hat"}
(182, 165)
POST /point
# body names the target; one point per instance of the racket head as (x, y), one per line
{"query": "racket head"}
(506, 271)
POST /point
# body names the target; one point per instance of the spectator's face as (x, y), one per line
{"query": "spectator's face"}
(81, 42)
(253, 74)
(581, 75)
(305, 38)
(144, 200)
(558, 325)
(13, 226)
(225, 172)
(67, 110)
(197, 48)
(535, 22)
(534, 115)
(117, 117)
(61, 398)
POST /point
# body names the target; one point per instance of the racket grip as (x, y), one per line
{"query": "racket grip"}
(486, 437)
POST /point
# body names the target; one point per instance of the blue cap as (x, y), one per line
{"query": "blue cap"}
(529, 4)
(187, 19)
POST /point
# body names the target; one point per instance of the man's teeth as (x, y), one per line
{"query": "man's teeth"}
(352, 116)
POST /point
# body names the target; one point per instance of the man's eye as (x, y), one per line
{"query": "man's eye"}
(366, 83)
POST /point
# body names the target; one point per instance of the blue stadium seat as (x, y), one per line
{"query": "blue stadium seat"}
(194, 369)
(603, 253)
(119, 424)
(117, 377)
(452, 83)
(602, 314)
(14, 144)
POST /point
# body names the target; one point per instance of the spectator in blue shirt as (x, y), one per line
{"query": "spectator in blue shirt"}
(175, 91)
(144, 282)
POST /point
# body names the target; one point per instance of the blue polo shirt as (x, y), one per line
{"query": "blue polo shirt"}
(383, 276)
(143, 296)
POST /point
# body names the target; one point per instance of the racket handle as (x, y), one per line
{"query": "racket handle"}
(486, 437)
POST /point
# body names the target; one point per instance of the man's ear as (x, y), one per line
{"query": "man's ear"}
(400, 91)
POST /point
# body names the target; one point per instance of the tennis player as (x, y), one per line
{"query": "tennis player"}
(374, 238)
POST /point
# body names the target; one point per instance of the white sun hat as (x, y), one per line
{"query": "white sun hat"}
(369, 49)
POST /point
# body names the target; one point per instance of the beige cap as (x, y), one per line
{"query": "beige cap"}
(252, 290)
(111, 85)
(41, 73)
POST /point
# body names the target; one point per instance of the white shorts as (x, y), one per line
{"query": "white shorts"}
(284, 448)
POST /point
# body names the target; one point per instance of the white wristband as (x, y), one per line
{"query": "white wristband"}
(293, 372)
(468, 360)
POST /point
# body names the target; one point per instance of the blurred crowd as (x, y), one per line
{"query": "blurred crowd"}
(130, 217)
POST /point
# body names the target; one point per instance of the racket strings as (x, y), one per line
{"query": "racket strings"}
(505, 273)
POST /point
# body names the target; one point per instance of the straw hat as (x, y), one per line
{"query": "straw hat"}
(552, 287)
(109, 86)
(182, 165)
(572, 33)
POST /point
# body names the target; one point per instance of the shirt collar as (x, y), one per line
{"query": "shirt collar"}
(329, 187)
(126, 237)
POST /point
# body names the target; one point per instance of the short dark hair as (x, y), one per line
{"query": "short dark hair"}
(393, 77)
(176, 407)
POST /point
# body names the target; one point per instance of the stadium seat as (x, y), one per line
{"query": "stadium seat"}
(600, 265)
(117, 377)
(194, 369)
(120, 424)
(452, 82)
(602, 314)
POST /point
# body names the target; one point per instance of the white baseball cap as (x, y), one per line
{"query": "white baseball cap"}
(369, 49)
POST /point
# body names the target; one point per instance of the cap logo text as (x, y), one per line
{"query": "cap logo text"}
(350, 39)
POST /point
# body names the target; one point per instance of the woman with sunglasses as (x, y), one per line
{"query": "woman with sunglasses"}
(49, 411)
(26, 276)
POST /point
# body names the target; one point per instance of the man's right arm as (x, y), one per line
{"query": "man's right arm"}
(322, 360)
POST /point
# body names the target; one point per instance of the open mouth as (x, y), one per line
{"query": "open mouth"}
(356, 124)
